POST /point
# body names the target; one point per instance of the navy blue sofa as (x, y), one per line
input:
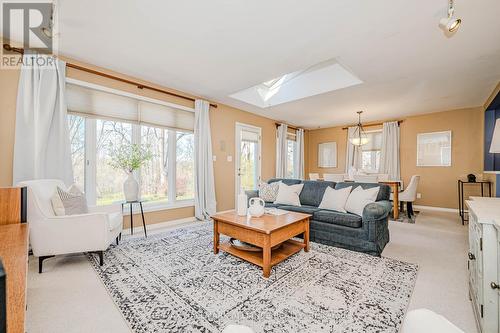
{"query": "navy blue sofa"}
(368, 233)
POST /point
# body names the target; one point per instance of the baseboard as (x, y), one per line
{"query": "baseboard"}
(438, 209)
(140, 230)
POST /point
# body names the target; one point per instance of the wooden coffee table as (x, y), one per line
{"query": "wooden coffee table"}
(266, 232)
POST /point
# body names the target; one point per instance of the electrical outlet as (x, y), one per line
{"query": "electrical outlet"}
(229, 158)
(214, 158)
(419, 195)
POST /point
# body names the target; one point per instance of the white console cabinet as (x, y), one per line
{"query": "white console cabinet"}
(484, 262)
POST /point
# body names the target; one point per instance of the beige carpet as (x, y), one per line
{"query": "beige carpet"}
(69, 297)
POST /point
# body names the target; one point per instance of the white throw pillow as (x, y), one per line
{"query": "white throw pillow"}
(335, 199)
(289, 194)
(359, 198)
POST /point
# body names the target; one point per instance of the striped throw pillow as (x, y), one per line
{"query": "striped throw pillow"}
(268, 192)
(72, 201)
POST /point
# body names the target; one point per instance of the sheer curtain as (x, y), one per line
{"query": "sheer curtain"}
(389, 154)
(300, 153)
(42, 148)
(353, 154)
(204, 188)
(281, 151)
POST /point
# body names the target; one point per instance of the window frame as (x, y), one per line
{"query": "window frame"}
(374, 159)
(90, 167)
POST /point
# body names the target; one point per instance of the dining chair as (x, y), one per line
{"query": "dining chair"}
(314, 176)
(409, 195)
(334, 177)
(366, 178)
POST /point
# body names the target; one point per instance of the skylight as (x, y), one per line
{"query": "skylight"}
(318, 79)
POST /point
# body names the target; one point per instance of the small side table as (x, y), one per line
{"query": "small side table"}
(131, 203)
(461, 204)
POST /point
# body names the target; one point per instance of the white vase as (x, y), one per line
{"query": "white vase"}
(131, 188)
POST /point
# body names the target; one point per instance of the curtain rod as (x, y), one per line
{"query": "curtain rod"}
(370, 125)
(291, 127)
(141, 86)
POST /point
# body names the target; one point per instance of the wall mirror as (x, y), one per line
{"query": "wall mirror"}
(327, 155)
(434, 149)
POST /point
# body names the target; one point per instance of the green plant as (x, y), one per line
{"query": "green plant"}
(130, 157)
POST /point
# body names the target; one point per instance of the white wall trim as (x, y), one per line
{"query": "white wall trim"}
(439, 209)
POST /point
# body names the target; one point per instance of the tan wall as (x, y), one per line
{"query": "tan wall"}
(438, 185)
(223, 120)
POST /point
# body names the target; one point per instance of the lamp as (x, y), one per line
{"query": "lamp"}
(450, 24)
(495, 140)
(359, 136)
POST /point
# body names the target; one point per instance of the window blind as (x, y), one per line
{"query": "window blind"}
(374, 143)
(100, 104)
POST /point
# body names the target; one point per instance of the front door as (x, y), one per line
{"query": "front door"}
(247, 159)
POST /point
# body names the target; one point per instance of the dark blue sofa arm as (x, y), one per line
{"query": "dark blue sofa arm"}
(377, 210)
(376, 220)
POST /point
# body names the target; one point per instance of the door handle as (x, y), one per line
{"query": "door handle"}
(471, 256)
(494, 285)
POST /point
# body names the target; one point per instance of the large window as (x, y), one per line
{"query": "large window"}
(167, 178)
(291, 156)
(184, 176)
(370, 160)
(77, 140)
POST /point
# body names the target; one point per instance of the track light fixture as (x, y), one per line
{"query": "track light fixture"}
(450, 24)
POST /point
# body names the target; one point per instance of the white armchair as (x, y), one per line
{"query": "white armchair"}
(52, 235)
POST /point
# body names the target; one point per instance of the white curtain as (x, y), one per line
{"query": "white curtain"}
(300, 153)
(353, 153)
(42, 148)
(389, 155)
(281, 151)
(204, 194)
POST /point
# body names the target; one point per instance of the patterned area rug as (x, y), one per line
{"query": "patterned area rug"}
(172, 282)
(403, 217)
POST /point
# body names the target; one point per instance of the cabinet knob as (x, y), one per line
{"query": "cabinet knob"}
(471, 256)
(494, 285)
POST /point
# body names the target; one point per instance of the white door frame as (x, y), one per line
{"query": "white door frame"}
(237, 147)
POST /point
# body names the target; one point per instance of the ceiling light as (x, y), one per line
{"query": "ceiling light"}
(450, 24)
(359, 137)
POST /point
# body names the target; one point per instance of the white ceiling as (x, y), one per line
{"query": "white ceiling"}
(216, 48)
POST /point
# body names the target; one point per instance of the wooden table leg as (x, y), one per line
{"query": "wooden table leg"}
(216, 237)
(266, 259)
(306, 236)
(395, 197)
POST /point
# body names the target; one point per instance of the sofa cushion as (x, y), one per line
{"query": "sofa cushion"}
(333, 217)
(313, 192)
(335, 199)
(359, 199)
(300, 209)
(383, 193)
(289, 194)
(285, 181)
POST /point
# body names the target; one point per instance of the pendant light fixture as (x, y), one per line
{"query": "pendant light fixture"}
(359, 136)
(450, 24)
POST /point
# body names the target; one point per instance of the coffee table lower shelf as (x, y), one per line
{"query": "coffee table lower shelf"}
(287, 249)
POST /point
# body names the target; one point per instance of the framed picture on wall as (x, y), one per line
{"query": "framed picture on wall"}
(327, 155)
(434, 149)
